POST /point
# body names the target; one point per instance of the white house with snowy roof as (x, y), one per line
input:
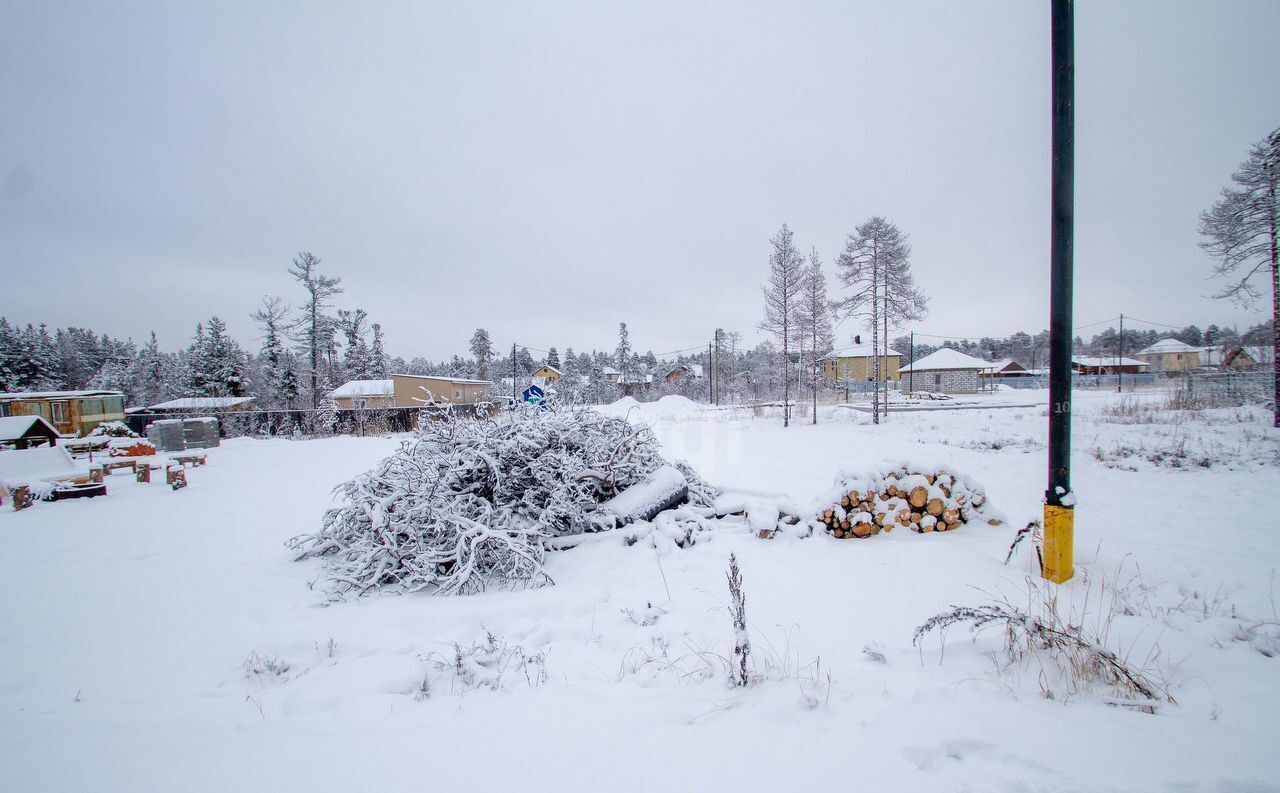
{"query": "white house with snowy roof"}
(946, 371)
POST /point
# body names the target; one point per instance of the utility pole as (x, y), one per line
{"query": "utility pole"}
(1059, 509)
(710, 393)
(714, 379)
(513, 373)
(1120, 362)
(911, 376)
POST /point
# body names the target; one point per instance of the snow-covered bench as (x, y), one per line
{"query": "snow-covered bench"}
(38, 471)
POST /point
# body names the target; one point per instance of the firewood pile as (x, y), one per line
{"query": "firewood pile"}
(930, 501)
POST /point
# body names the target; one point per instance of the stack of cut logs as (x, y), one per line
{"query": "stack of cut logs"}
(922, 502)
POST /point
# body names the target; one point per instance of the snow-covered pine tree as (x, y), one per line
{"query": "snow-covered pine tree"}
(781, 297)
(814, 316)
(10, 356)
(482, 352)
(224, 359)
(355, 362)
(377, 355)
(320, 288)
(273, 317)
(622, 353)
(553, 358)
(1241, 233)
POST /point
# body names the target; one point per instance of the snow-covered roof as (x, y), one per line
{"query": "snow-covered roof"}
(92, 394)
(1103, 361)
(14, 427)
(201, 403)
(609, 370)
(364, 388)
(947, 358)
(445, 378)
(551, 368)
(1167, 346)
(858, 351)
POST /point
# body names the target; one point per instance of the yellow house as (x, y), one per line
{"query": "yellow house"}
(858, 364)
(548, 375)
(1170, 355)
(409, 390)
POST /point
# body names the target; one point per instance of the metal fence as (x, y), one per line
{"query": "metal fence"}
(269, 423)
(1219, 389)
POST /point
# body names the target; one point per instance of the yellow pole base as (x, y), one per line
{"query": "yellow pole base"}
(1059, 543)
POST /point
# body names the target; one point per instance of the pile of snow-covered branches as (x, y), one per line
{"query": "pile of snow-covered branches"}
(467, 504)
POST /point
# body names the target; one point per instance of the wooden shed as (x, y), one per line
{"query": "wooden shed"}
(70, 412)
(25, 432)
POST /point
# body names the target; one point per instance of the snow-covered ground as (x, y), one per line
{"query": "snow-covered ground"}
(144, 637)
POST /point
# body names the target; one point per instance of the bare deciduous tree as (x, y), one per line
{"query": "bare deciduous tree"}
(1240, 233)
(781, 298)
(814, 320)
(876, 265)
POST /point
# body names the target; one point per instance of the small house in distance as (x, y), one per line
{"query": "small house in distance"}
(1170, 355)
(858, 364)
(946, 371)
(365, 394)
(70, 412)
(680, 371)
(1009, 368)
(25, 432)
(547, 376)
(1103, 364)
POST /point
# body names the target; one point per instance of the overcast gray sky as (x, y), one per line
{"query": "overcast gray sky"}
(546, 170)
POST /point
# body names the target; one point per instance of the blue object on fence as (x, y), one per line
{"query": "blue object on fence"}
(533, 395)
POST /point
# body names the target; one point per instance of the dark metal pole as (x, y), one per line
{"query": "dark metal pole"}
(513, 373)
(911, 376)
(1120, 363)
(1059, 512)
(710, 395)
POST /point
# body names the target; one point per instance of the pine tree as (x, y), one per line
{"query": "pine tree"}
(553, 358)
(622, 353)
(482, 352)
(316, 330)
(356, 359)
(1242, 233)
(781, 297)
(377, 355)
(273, 316)
(10, 356)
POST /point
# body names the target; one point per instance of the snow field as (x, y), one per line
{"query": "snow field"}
(129, 620)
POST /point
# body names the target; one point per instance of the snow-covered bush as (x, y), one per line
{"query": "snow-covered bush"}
(112, 429)
(487, 664)
(467, 504)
